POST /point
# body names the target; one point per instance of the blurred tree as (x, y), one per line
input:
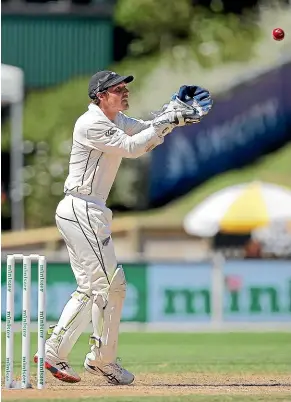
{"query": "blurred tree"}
(213, 37)
(156, 23)
(228, 6)
(218, 38)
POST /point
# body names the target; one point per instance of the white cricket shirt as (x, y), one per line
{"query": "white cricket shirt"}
(98, 147)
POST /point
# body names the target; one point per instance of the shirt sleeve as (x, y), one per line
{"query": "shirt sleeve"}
(131, 125)
(111, 139)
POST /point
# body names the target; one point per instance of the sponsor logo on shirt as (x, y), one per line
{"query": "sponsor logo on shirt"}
(111, 132)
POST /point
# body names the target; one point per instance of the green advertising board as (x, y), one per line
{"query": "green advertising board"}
(61, 283)
(253, 291)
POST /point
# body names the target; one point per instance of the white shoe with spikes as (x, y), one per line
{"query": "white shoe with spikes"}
(114, 373)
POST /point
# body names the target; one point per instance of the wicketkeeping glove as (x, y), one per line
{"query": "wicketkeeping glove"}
(189, 105)
(195, 97)
(166, 121)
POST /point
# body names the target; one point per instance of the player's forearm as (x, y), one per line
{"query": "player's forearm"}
(135, 126)
(141, 142)
(114, 141)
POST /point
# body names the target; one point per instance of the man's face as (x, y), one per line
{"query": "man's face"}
(116, 98)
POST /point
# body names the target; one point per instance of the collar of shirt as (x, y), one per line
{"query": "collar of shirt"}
(95, 109)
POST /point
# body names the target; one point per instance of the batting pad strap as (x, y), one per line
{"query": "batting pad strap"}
(51, 329)
(57, 330)
(81, 297)
(95, 341)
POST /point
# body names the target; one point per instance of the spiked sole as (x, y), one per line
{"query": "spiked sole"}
(57, 373)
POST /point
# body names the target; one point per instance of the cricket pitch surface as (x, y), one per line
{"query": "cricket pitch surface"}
(151, 385)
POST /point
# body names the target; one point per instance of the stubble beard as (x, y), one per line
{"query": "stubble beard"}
(125, 104)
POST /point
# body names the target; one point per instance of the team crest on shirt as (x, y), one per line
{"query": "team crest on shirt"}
(111, 132)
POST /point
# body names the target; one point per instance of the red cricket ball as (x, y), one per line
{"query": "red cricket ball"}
(278, 34)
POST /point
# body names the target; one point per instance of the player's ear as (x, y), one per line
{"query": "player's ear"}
(101, 95)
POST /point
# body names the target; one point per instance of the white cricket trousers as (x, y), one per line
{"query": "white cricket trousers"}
(86, 229)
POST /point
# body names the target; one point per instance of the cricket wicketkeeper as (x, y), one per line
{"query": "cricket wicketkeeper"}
(102, 136)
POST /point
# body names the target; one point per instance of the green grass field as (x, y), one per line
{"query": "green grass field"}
(180, 367)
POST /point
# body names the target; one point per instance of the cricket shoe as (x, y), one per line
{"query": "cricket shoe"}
(114, 373)
(60, 369)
